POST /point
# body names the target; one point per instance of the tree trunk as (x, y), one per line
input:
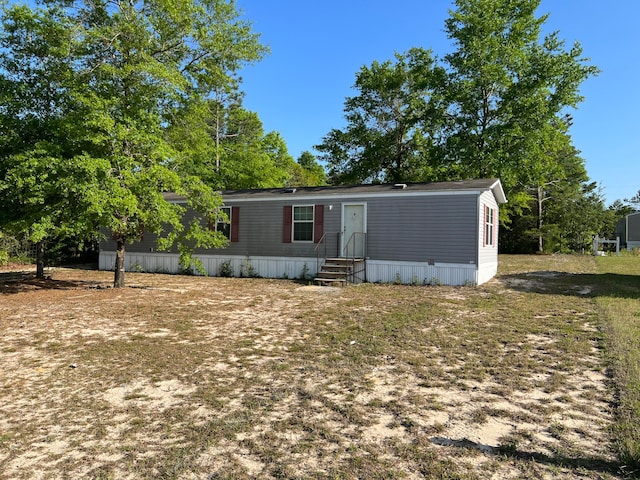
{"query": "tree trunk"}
(118, 279)
(540, 199)
(40, 260)
(217, 137)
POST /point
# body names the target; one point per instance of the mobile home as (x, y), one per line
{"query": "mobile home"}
(444, 233)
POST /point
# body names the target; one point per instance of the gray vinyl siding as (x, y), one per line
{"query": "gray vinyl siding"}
(633, 227)
(147, 244)
(415, 228)
(421, 229)
(260, 230)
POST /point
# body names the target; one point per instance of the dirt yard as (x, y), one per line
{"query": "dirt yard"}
(212, 378)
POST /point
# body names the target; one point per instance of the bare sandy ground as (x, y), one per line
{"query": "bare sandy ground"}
(77, 400)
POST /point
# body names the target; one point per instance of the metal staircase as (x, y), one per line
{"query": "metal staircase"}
(348, 266)
(340, 271)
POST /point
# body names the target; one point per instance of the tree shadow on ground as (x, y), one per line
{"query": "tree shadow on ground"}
(21, 281)
(592, 464)
(574, 284)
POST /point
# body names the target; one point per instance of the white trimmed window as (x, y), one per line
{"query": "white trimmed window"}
(225, 226)
(489, 225)
(303, 223)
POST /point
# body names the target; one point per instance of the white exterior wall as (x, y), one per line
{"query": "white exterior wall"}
(487, 271)
(284, 267)
(421, 273)
(267, 267)
(487, 254)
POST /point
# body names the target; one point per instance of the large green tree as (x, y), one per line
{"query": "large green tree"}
(139, 68)
(565, 208)
(392, 124)
(557, 177)
(43, 187)
(507, 85)
(250, 158)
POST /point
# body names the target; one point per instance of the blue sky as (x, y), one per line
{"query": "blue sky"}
(318, 46)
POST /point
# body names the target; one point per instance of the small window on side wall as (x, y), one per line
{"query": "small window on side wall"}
(489, 226)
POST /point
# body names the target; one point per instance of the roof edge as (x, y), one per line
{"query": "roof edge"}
(432, 188)
(498, 191)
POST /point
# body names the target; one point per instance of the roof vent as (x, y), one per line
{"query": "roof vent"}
(290, 190)
(400, 186)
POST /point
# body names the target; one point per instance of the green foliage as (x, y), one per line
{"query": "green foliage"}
(233, 151)
(226, 269)
(4, 258)
(506, 86)
(44, 190)
(494, 107)
(8, 243)
(305, 272)
(564, 209)
(307, 172)
(247, 269)
(99, 102)
(392, 123)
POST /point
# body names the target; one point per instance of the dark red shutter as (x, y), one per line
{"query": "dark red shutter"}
(235, 224)
(318, 223)
(287, 220)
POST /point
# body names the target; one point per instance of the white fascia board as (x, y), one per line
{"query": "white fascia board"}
(498, 192)
(496, 188)
(352, 196)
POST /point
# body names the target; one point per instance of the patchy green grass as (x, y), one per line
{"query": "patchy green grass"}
(619, 300)
(222, 378)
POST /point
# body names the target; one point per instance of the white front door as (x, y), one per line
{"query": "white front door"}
(354, 227)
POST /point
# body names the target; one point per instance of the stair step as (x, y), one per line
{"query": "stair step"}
(343, 260)
(330, 267)
(330, 274)
(339, 271)
(330, 281)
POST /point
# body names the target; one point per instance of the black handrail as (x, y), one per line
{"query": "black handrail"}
(317, 250)
(345, 252)
(352, 239)
(348, 252)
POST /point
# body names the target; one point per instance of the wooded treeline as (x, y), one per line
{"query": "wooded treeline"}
(105, 105)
